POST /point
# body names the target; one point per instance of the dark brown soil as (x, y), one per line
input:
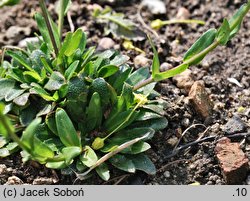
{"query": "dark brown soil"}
(197, 164)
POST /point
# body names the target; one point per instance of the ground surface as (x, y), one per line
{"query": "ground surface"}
(197, 164)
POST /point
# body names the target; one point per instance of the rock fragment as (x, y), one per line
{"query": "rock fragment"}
(14, 180)
(105, 44)
(184, 80)
(155, 6)
(141, 61)
(43, 181)
(200, 100)
(235, 125)
(233, 162)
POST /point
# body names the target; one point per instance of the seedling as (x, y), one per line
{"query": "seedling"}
(65, 105)
(118, 25)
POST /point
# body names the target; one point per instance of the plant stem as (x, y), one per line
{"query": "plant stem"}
(12, 135)
(143, 83)
(203, 53)
(61, 19)
(51, 34)
(168, 22)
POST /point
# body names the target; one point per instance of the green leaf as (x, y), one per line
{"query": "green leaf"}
(3, 140)
(70, 153)
(66, 130)
(66, 7)
(170, 73)
(65, 44)
(16, 74)
(120, 77)
(28, 114)
(13, 93)
(137, 148)
(159, 109)
(5, 86)
(121, 121)
(138, 76)
(123, 163)
(12, 147)
(35, 58)
(156, 124)
(201, 44)
(125, 136)
(19, 59)
(74, 42)
(87, 56)
(107, 71)
(4, 152)
(51, 123)
(143, 163)
(46, 65)
(119, 60)
(237, 18)
(22, 100)
(80, 166)
(41, 150)
(41, 92)
(45, 109)
(89, 158)
(223, 34)
(103, 171)
(32, 76)
(56, 165)
(100, 86)
(71, 70)
(8, 2)
(3, 129)
(55, 82)
(146, 115)
(94, 112)
(156, 61)
(29, 133)
(41, 24)
(127, 94)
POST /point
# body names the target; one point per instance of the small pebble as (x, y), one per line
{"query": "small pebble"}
(235, 125)
(185, 122)
(105, 44)
(166, 174)
(14, 180)
(141, 61)
(3, 169)
(183, 14)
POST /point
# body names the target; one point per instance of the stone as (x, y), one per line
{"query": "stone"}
(183, 14)
(165, 66)
(23, 43)
(141, 61)
(3, 169)
(105, 44)
(233, 162)
(166, 174)
(17, 33)
(200, 100)
(43, 181)
(14, 180)
(155, 6)
(184, 80)
(235, 125)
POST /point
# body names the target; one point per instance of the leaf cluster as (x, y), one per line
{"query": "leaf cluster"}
(77, 107)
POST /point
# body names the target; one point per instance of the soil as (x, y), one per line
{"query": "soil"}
(196, 164)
